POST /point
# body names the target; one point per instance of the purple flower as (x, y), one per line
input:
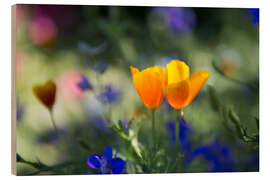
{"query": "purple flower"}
(84, 84)
(110, 94)
(176, 18)
(106, 163)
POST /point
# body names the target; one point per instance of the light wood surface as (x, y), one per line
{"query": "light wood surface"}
(13, 89)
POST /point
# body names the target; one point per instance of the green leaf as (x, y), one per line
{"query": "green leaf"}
(120, 125)
(215, 102)
(84, 145)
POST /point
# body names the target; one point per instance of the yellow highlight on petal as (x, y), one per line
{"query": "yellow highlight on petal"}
(46, 93)
(177, 71)
(181, 89)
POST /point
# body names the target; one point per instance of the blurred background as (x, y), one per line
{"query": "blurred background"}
(87, 51)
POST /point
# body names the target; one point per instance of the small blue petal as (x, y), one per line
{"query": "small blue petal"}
(117, 165)
(110, 94)
(87, 48)
(93, 161)
(100, 124)
(171, 130)
(102, 66)
(125, 125)
(108, 153)
(254, 14)
(84, 84)
(51, 136)
(20, 111)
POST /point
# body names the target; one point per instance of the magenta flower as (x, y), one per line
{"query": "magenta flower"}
(43, 31)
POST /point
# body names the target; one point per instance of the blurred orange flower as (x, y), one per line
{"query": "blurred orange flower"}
(46, 93)
(182, 89)
(149, 83)
(228, 66)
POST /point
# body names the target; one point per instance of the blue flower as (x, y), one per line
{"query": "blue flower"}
(84, 84)
(51, 136)
(87, 48)
(101, 67)
(125, 123)
(177, 19)
(19, 111)
(254, 14)
(110, 95)
(99, 123)
(106, 163)
(218, 155)
(185, 131)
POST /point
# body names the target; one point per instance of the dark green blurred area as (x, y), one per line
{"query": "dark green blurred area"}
(64, 42)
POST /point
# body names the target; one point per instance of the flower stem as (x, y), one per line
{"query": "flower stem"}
(153, 129)
(53, 122)
(177, 129)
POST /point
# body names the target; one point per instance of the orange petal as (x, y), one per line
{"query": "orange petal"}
(149, 87)
(134, 70)
(197, 80)
(46, 93)
(161, 73)
(177, 71)
(177, 94)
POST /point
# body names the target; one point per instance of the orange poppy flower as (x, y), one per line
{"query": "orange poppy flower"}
(182, 89)
(46, 93)
(149, 83)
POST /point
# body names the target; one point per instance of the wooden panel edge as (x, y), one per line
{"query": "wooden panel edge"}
(13, 89)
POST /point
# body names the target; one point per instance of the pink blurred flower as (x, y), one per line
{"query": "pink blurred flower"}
(69, 85)
(43, 31)
(20, 61)
(20, 14)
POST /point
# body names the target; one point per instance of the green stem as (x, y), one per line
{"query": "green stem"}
(53, 122)
(178, 114)
(153, 128)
